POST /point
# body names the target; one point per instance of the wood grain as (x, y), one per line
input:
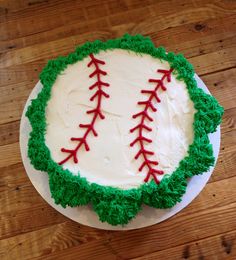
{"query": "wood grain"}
(33, 31)
(202, 249)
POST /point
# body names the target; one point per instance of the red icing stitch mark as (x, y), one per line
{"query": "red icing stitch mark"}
(96, 112)
(143, 115)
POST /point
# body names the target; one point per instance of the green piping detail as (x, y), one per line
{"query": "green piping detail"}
(114, 205)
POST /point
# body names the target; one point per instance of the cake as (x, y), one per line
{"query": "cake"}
(120, 124)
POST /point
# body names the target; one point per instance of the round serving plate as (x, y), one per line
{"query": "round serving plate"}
(84, 214)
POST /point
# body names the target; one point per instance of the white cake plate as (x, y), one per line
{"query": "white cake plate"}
(84, 214)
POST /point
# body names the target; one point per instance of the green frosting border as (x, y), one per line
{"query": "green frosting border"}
(114, 205)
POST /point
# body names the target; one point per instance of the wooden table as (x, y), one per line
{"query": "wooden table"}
(33, 31)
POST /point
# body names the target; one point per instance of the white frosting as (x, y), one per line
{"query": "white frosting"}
(110, 160)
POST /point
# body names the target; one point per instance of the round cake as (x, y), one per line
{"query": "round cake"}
(119, 124)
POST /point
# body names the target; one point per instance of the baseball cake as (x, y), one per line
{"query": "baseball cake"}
(120, 124)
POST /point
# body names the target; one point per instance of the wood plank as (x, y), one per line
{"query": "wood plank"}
(192, 39)
(76, 13)
(54, 238)
(17, 27)
(18, 10)
(13, 180)
(228, 143)
(9, 132)
(20, 27)
(215, 61)
(229, 120)
(45, 51)
(20, 74)
(189, 228)
(123, 245)
(22, 9)
(23, 221)
(10, 154)
(13, 98)
(197, 38)
(16, 190)
(67, 30)
(20, 56)
(161, 20)
(22, 196)
(213, 195)
(222, 86)
(203, 39)
(223, 244)
(226, 166)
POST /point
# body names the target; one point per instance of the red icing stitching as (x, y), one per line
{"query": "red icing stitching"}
(143, 115)
(99, 94)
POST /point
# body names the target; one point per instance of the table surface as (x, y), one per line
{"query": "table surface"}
(34, 31)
